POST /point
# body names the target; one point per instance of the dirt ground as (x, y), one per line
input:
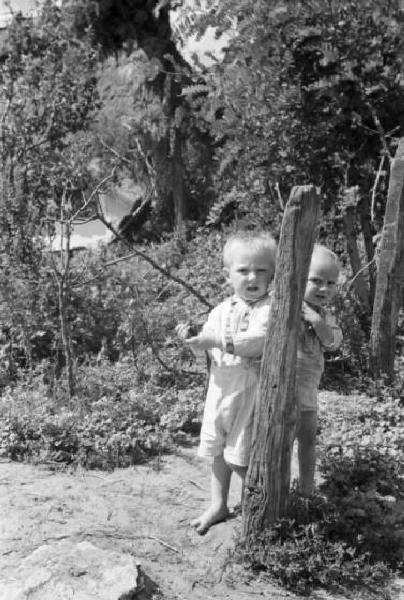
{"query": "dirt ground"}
(141, 512)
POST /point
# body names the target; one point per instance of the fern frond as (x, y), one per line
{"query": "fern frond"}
(218, 212)
(192, 90)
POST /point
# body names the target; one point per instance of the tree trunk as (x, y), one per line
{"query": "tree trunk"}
(349, 216)
(178, 181)
(390, 275)
(66, 341)
(367, 231)
(268, 476)
(169, 163)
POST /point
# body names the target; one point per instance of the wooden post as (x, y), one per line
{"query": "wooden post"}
(390, 274)
(268, 476)
(349, 218)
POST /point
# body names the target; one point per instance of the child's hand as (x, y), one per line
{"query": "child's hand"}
(310, 315)
(186, 330)
(323, 331)
(182, 330)
(206, 340)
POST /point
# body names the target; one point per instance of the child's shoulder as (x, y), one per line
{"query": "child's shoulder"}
(228, 301)
(223, 305)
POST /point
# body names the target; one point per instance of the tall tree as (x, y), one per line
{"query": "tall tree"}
(390, 275)
(48, 94)
(141, 31)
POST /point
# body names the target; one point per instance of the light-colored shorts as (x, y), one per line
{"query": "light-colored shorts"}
(228, 415)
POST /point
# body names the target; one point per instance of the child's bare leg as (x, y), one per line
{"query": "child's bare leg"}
(241, 472)
(218, 510)
(306, 436)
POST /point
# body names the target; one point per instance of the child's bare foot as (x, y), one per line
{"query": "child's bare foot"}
(210, 517)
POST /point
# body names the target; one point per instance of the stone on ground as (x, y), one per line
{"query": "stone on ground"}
(67, 570)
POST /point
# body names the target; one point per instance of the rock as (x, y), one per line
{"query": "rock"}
(72, 570)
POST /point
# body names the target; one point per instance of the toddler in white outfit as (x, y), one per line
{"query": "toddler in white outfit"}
(234, 336)
(319, 332)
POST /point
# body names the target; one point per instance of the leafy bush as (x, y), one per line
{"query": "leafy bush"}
(350, 533)
(358, 423)
(362, 467)
(298, 552)
(115, 421)
(348, 366)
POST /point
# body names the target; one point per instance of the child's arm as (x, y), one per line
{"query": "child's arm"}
(326, 328)
(247, 344)
(207, 338)
(250, 343)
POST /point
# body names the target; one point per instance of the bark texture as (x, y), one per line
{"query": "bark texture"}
(390, 275)
(268, 476)
(360, 284)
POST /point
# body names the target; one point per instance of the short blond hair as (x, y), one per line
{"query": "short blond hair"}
(255, 240)
(320, 251)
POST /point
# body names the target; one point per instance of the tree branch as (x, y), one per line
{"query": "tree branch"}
(351, 281)
(380, 130)
(152, 262)
(114, 152)
(374, 188)
(92, 195)
(101, 271)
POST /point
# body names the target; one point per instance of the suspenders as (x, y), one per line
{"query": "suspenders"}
(228, 330)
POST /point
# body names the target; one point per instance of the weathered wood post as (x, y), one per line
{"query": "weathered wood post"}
(268, 476)
(390, 274)
(349, 218)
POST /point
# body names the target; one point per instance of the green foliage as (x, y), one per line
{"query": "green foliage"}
(346, 369)
(119, 24)
(128, 308)
(362, 466)
(301, 557)
(365, 424)
(350, 534)
(301, 91)
(49, 92)
(145, 124)
(116, 419)
(129, 312)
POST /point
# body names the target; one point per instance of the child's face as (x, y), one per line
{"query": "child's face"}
(322, 281)
(250, 272)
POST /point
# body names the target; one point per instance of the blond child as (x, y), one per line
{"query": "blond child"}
(319, 332)
(234, 335)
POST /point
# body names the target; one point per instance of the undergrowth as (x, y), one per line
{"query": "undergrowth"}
(113, 421)
(349, 535)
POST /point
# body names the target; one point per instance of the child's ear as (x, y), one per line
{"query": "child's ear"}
(226, 273)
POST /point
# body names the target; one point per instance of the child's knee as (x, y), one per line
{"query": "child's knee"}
(241, 471)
